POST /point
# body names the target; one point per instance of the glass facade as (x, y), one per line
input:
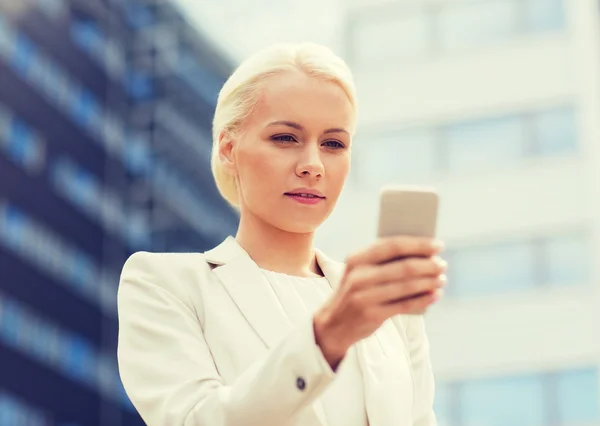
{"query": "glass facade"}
(467, 147)
(565, 397)
(427, 29)
(85, 181)
(547, 261)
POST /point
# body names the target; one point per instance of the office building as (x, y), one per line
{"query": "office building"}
(496, 103)
(105, 137)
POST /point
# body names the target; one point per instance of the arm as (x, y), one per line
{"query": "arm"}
(169, 374)
(418, 349)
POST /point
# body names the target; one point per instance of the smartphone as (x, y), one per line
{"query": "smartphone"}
(408, 210)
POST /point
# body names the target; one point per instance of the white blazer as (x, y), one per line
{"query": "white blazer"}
(203, 341)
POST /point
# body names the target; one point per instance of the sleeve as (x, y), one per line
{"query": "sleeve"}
(412, 330)
(423, 414)
(168, 372)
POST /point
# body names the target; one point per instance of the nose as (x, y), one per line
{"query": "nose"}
(310, 163)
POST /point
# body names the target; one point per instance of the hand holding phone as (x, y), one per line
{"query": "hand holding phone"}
(400, 273)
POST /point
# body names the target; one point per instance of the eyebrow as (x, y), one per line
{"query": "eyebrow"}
(301, 128)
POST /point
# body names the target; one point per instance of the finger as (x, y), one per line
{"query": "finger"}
(388, 248)
(364, 276)
(413, 306)
(393, 292)
(411, 267)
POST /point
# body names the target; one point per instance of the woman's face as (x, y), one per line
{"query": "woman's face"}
(292, 156)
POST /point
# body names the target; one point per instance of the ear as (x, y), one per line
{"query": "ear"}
(226, 153)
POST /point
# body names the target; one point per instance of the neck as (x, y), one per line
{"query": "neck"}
(277, 250)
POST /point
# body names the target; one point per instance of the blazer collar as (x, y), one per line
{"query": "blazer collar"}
(252, 293)
(256, 300)
(230, 249)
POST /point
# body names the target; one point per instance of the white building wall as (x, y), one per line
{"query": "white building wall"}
(537, 330)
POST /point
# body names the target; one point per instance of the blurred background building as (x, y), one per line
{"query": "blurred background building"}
(496, 104)
(105, 112)
(105, 121)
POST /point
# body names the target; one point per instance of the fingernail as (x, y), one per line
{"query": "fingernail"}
(441, 262)
(443, 279)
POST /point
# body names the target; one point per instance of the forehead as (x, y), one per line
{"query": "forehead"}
(299, 97)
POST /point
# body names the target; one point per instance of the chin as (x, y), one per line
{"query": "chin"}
(299, 226)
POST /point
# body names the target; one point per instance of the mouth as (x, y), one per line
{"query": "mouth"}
(305, 198)
(303, 195)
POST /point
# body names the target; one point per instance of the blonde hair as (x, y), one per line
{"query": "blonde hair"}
(242, 90)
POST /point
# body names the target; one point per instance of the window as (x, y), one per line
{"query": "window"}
(85, 109)
(407, 157)
(484, 270)
(555, 132)
(54, 8)
(21, 144)
(113, 58)
(139, 85)
(79, 359)
(567, 397)
(203, 81)
(46, 250)
(92, 39)
(567, 259)
(137, 154)
(24, 54)
(86, 35)
(475, 24)
(392, 39)
(14, 411)
(455, 26)
(113, 134)
(578, 396)
(70, 354)
(138, 15)
(5, 125)
(544, 15)
(6, 39)
(443, 404)
(478, 145)
(514, 401)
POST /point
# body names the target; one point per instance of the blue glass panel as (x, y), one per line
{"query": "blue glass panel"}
(23, 55)
(517, 401)
(470, 24)
(544, 15)
(484, 144)
(493, 269)
(87, 35)
(568, 259)
(579, 396)
(556, 131)
(139, 85)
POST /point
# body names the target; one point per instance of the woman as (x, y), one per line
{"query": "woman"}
(264, 329)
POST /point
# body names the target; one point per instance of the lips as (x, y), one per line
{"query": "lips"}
(303, 195)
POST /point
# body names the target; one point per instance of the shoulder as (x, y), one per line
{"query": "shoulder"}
(176, 273)
(145, 261)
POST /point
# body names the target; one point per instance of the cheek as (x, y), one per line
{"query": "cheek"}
(257, 172)
(338, 171)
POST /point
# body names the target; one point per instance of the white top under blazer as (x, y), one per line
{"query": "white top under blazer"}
(210, 339)
(343, 400)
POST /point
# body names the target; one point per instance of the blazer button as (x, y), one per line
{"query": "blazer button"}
(300, 383)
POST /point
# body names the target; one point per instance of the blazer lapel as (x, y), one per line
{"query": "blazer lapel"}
(250, 291)
(254, 297)
(384, 377)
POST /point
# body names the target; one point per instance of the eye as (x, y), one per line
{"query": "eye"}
(334, 144)
(283, 138)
